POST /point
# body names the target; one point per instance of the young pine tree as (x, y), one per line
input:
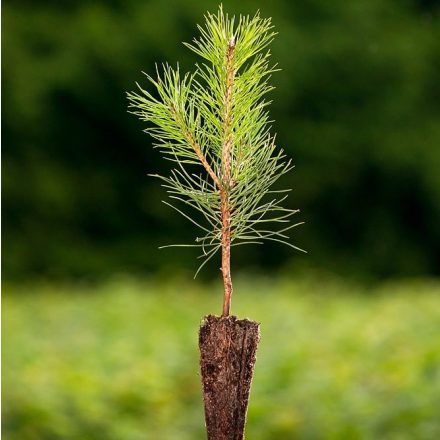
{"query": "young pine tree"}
(213, 123)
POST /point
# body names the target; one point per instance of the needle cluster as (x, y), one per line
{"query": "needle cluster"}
(214, 124)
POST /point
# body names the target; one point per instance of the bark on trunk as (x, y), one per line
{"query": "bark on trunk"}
(227, 356)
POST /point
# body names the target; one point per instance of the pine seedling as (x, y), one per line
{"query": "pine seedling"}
(214, 125)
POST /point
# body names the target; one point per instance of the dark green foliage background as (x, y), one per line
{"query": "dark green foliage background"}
(357, 105)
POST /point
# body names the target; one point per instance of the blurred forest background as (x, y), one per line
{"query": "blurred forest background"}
(100, 326)
(356, 105)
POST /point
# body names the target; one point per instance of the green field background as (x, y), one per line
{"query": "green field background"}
(119, 360)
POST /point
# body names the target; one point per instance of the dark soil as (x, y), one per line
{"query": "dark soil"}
(227, 357)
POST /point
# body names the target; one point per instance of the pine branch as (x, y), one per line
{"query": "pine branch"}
(195, 146)
(216, 118)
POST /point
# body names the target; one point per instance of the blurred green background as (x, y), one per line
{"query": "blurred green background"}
(357, 107)
(100, 327)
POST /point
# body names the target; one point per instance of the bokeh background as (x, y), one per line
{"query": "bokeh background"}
(100, 326)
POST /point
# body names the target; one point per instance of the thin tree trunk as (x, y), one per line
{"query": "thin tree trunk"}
(226, 255)
(227, 357)
(227, 179)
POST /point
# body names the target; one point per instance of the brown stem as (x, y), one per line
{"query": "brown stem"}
(226, 254)
(227, 181)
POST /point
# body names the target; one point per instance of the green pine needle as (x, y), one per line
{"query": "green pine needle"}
(186, 116)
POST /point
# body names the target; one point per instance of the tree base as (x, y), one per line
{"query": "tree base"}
(227, 357)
